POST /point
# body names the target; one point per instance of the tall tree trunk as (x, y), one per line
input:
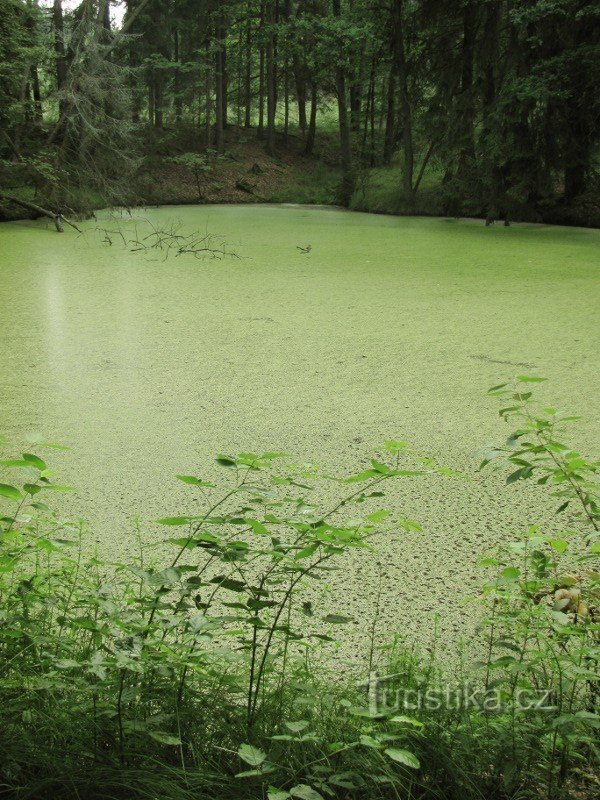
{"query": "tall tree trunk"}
(261, 75)
(224, 77)
(466, 105)
(390, 119)
(248, 70)
(219, 104)
(348, 176)
(208, 95)
(37, 96)
(271, 87)
(300, 84)
(151, 103)
(312, 124)
(405, 107)
(60, 55)
(177, 75)
(158, 98)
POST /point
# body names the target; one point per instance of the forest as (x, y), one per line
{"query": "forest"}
(299, 400)
(492, 106)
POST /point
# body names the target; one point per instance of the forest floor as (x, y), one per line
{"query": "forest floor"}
(245, 173)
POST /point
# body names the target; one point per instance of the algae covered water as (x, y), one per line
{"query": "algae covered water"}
(329, 333)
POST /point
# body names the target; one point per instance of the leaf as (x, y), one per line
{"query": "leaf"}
(35, 461)
(530, 379)
(257, 527)
(174, 521)
(36, 438)
(298, 726)
(403, 757)
(10, 491)
(510, 574)
(337, 619)
(226, 461)
(369, 741)
(407, 721)
(189, 479)
(277, 794)
(251, 755)
(165, 738)
(229, 583)
(305, 792)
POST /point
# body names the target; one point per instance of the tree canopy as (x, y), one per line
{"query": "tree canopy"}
(499, 96)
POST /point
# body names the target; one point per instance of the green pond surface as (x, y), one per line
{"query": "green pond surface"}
(389, 327)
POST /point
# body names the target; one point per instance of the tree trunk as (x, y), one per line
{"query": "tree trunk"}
(224, 78)
(348, 177)
(312, 124)
(405, 107)
(248, 70)
(390, 120)
(271, 87)
(219, 104)
(59, 50)
(261, 75)
(177, 76)
(208, 96)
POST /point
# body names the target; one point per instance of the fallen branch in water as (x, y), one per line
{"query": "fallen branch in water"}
(169, 241)
(55, 216)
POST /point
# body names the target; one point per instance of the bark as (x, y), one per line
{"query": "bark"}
(208, 97)
(405, 106)
(261, 77)
(271, 85)
(248, 71)
(219, 92)
(466, 106)
(177, 77)
(390, 120)
(312, 124)
(55, 216)
(348, 176)
(59, 50)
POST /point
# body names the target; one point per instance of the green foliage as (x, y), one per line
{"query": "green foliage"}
(192, 677)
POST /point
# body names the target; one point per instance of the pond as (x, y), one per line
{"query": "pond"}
(387, 327)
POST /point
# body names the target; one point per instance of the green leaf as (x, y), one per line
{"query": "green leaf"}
(174, 521)
(189, 479)
(251, 755)
(407, 721)
(305, 792)
(530, 379)
(35, 461)
(229, 583)
(337, 619)
(510, 574)
(403, 757)
(277, 794)
(298, 726)
(226, 461)
(258, 527)
(369, 741)
(10, 491)
(165, 738)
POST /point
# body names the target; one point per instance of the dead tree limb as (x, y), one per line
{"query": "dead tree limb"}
(55, 216)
